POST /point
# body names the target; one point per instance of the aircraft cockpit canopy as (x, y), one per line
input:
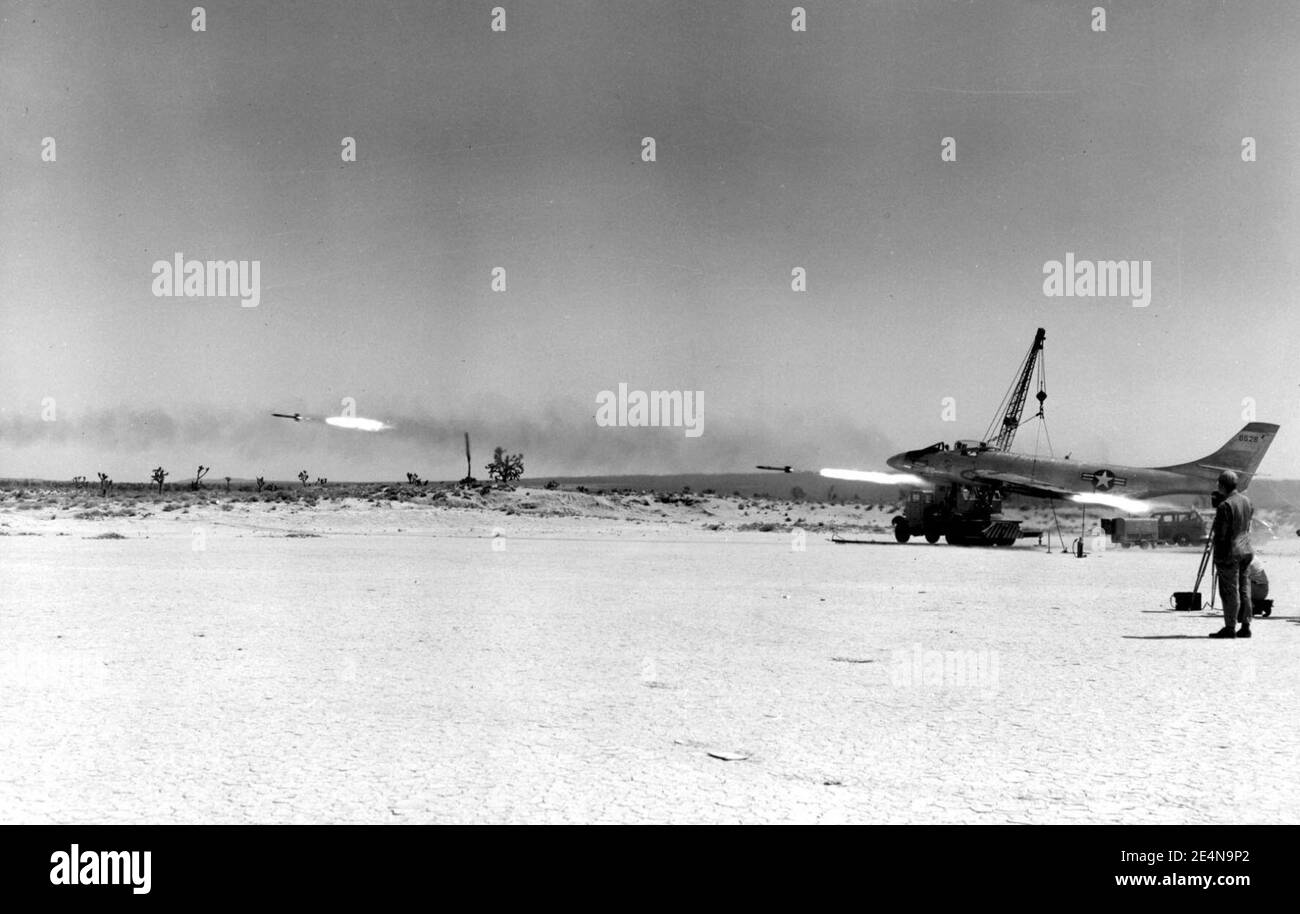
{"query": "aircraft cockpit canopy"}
(935, 448)
(969, 447)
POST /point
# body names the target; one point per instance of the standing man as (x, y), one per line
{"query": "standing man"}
(1233, 554)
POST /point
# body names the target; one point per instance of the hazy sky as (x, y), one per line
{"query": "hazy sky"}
(522, 150)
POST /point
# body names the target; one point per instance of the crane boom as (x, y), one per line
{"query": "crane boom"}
(1013, 404)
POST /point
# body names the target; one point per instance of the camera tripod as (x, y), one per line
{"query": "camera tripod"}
(1262, 607)
(1214, 572)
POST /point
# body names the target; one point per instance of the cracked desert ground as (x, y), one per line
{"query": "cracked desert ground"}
(356, 661)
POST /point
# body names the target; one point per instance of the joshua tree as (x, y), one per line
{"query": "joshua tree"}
(261, 483)
(79, 482)
(414, 479)
(158, 476)
(321, 481)
(505, 467)
(198, 477)
(227, 483)
(105, 484)
(303, 477)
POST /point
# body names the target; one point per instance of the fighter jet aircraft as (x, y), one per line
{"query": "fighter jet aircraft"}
(975, 463)
(956, 491)
(972, 478)
(296, 417)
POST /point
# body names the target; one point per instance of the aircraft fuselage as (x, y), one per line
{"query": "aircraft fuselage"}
(1047, 476)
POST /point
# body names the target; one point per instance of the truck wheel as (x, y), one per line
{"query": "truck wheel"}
(932, 536)
(901, 531)
(1127, 545)
(1182, 540)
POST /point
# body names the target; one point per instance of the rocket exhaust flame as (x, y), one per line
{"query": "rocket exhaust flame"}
(352, 422)
(889, 479)
(356, 422)
(1129, 505)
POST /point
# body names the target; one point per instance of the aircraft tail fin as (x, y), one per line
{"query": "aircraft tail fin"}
(1242, 454)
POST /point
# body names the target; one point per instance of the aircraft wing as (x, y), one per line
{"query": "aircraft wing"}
(1025, 485)
(1020, 484)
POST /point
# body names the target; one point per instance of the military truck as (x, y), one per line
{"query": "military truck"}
(1132, 531)
(1178, 528)
(961, 515)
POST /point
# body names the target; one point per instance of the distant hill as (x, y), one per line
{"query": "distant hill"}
(1275, 493)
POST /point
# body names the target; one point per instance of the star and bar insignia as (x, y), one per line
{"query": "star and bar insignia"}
(1104, 480)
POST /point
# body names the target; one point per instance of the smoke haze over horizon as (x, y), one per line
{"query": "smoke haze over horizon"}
(127, 443)
(522, 151)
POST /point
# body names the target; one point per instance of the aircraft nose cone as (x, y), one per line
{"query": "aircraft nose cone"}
(899, 462)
